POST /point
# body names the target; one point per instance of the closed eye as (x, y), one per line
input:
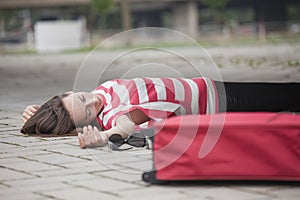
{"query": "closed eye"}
(81, 97)
(88, 112)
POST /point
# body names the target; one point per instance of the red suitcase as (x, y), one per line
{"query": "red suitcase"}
(228, 146)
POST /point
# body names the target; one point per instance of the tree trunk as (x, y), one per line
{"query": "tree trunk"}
(126, 18)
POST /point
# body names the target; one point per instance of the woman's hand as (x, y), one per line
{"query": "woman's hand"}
(29, 112)
(92, 137)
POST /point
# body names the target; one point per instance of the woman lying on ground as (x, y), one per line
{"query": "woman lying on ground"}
(119, 106)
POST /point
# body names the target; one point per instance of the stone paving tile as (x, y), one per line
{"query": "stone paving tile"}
(55, 159)
(254, 190)
(8, 124)
(69, 150)
(21, 195)
(159, 193)
(49, 180)
(8, 134)
(46, 142)
(79, 194)
(23, 148)
(4, 146)
(25, 153)
(2, 125)
(97, 162)
(6, 129)
(111, 157)
(8, 174)
(139, 166)
(3, 186)
(121, 175)
(291, 193)
(17, 141)
(22, 164)
(12, 121)
(71, 171)
(30, 183)
(192, 192)
(85, 164)
(5, 160)
(104, 184)
(32, 189)
(146, 154)
(269, 190)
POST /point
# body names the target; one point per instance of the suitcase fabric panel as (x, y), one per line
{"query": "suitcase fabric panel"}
(252, 146)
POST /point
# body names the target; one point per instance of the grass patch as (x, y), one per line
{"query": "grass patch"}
(271, 39)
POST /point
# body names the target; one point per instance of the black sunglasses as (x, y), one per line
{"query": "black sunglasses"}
(134, 140)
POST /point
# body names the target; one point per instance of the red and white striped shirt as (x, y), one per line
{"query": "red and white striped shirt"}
(158, 98)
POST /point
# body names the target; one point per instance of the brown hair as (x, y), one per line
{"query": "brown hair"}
(51, 119)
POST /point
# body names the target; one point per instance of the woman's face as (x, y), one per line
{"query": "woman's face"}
(83, 107)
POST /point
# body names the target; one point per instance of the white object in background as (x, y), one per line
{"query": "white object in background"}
(55, 36)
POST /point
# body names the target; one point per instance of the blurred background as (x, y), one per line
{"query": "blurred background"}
(55, 25)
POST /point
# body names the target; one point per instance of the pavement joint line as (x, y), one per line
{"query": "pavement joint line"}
(5, 185)
(56, 152)
(69, 174)
(88, 159)
(95, 173)
(241, 189)
(28, 151)
(107, 170)
(72, 144)
(9, 130)
(14, 144)
(88, 188)
(9, 156)
(113, 178)
(54, 138)
(46, 195)
(265, 193)
(125, 166)
(6, 124)
(132, 168)
(12, 134)
(38, 161)
(42, 144)
(115, 165)
(21, 171)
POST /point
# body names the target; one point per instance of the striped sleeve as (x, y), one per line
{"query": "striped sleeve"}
(158, 98)
(211, 106)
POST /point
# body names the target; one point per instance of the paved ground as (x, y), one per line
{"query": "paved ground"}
(56, 168)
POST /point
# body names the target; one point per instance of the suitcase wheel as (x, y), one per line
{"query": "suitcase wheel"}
(150, 177)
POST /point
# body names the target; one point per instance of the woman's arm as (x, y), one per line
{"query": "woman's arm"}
(125, 125)
(138, 116)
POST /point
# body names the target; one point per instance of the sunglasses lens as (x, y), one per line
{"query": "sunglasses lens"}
(137, 141)
(116, 139)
